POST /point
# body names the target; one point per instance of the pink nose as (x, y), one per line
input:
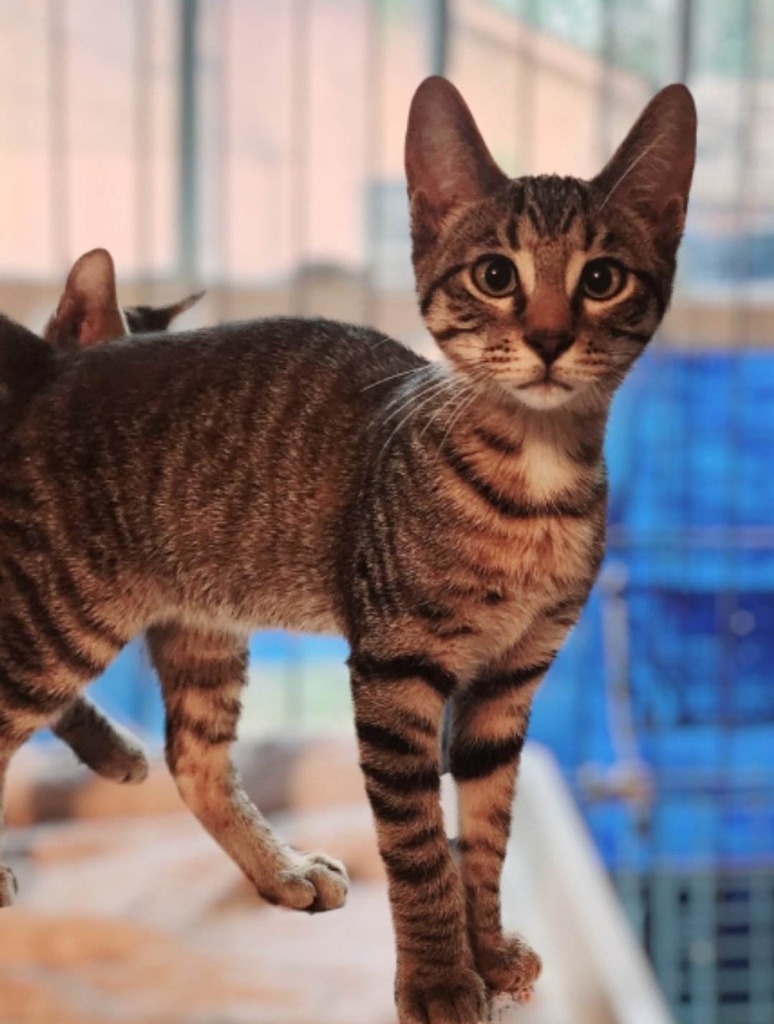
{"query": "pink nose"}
(548, 326)
(549, 345)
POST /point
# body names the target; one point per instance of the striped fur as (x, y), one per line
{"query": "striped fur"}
(88, 313)
(447, 519)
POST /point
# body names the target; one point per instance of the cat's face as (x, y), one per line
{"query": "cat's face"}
(548, 287)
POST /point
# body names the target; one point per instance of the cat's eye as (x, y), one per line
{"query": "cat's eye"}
(496, 276)
(603, 279)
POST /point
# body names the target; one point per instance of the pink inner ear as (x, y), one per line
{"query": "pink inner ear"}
(653, 165)
(101, 324)
(447, 161)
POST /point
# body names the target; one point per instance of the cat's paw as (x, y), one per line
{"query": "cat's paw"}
(8, 886)
(460, 998)
(314, 882)
(125, 763)
(510, 966)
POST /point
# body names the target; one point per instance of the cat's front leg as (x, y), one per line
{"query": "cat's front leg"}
(202, 674)
(488, 731)
(101, 744)
(398, 705)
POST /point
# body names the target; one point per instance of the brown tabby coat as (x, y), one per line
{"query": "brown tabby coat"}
(447, 519)
(89, 314)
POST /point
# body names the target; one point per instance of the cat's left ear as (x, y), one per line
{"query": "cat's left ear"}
(651, 170)
(88, 311)
(447, 161)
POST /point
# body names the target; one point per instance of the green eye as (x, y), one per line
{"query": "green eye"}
(603, 279)
(495, 275)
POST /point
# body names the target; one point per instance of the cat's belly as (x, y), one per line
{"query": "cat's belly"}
(302, 604)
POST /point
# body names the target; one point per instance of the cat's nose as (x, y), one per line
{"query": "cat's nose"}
(549, 345)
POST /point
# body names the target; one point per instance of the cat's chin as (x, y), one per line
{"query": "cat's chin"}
(545, 395)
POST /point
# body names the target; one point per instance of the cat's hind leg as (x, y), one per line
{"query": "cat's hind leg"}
(202, 674)
(25, 706)
(101, 744)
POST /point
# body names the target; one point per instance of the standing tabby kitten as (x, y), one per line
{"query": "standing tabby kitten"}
(88, 313)
(447, 519)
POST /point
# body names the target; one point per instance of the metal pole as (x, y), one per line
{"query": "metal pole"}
(374, 83)
(59, 149)
(439, 36)
(188, 220)
(685, 54)
(299, 126)
(223, 103)
(143, 219)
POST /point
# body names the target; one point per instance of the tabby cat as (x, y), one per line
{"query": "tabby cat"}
(88, 313)
(447, 519)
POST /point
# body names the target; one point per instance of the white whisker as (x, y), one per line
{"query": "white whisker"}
(443, 407)
(474, 392)
(415, 409)
(401, 401)
(416, 370)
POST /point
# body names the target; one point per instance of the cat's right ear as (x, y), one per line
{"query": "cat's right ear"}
(651, 170)
(447, 162)
(88, 311)
(148, 319)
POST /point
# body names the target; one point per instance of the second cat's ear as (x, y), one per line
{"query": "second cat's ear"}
(88, 311)
(146, 319)
(651, 170)
(447, 161)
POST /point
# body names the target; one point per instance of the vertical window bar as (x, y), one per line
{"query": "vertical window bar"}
(373, 158)
(299, 165)
(143, 112)
(222, 105)
(188, 214)
(59, 147)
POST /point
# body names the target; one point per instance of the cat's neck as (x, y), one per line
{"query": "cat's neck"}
(539, 456)
(511, 427)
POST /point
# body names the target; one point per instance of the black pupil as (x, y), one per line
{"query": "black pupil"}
(599, 278)
(498, 275)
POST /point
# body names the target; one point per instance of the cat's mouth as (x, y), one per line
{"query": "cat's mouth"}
(545, 391)
(546, 382)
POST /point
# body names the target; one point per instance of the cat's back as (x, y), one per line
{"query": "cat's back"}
(250, 370)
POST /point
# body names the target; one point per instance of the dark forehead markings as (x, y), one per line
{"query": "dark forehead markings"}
(536, 220)
(568, 221)
(518, 198)
(512, 232)
(556, 203)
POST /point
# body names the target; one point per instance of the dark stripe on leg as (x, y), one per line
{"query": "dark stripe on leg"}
(403, 781)
(386, 739)
(492, 686)
(475, 759)
(404, 666)
(385, 811)
(413, 872)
